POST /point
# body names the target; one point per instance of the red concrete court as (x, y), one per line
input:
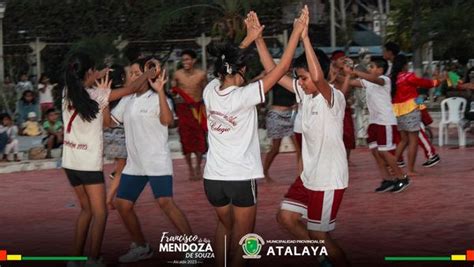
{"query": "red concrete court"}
(433, 217)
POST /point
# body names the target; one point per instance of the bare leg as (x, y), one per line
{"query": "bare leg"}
(270, 157)
(391, 161)
(119, 166)
(197, 170)
(96, 194)
(244, 222)
(192, 175)
(130, 219)
(223, 234)
(176, 216)
(335, 252)
(50, 145)
(291, 221)
(402, 145)
(82, 222)
(381, 164)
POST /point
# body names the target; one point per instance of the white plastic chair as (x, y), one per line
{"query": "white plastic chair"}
(456, 108)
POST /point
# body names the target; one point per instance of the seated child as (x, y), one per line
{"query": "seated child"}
(31, 127)
(12, 143)
(54, 129)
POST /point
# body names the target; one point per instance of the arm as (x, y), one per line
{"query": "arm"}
(254, 27)
(370, 77)
(346, 85)
(166, 116)
(421, 82)
(315, 71)
(108, 122)
(280, 70)
(132, 87)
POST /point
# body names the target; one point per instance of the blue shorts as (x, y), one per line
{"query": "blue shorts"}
(131, 186)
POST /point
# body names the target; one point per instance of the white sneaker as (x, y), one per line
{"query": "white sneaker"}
(137, 253)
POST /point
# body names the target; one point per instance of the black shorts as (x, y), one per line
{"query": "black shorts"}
(238, 193)
(77, 178)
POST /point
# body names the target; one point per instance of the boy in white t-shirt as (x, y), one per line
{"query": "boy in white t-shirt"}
(382, 122)
(317, 193)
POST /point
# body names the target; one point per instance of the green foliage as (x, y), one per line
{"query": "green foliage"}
(447, 23)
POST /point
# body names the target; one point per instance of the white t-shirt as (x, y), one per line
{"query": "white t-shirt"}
(323, 152)
(234, 149)
(47, 95)
(379, 102)
(83, 140)
(146, 138)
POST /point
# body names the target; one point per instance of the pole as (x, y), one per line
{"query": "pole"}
(203, 41)
(332, 11)
(38, 59)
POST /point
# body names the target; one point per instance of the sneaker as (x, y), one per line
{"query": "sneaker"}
(401, 163)
(432, 161)
(400, 185)
(112, 175)
(137, 253)
(385, 186)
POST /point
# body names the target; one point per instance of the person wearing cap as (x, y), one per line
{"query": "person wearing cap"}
(337, 78)
(31, 127)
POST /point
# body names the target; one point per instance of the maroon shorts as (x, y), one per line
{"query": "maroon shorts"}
(382, 137)
(319, 207)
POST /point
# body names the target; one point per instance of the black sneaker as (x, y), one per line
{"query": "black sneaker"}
(112, 175)
(385, 186)
(400, 185)
(401, 163)
(432, 161)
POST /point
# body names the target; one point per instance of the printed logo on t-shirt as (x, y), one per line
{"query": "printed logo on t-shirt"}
(221, 122)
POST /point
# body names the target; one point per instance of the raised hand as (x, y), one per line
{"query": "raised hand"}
(302, 21)
(254, 29)
(159, 83)
(304, 34)
(103, 82)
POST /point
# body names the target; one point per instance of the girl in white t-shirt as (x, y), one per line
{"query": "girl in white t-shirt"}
(85, 100)
(233, 161)
(146, 116)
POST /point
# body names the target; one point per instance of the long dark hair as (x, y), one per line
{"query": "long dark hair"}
(399, 63)
(77, 66)
(230, 60)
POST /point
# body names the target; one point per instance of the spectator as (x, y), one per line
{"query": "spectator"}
(45, 93)
(54, 129)
(23, 85)
(12, 141)
(26, 104)
(31, 127)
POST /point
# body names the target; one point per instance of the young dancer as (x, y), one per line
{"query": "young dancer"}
(146, 116)
(82, 109)
(383, 123)
(233, 161)
(318, 192)
(404, 94)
